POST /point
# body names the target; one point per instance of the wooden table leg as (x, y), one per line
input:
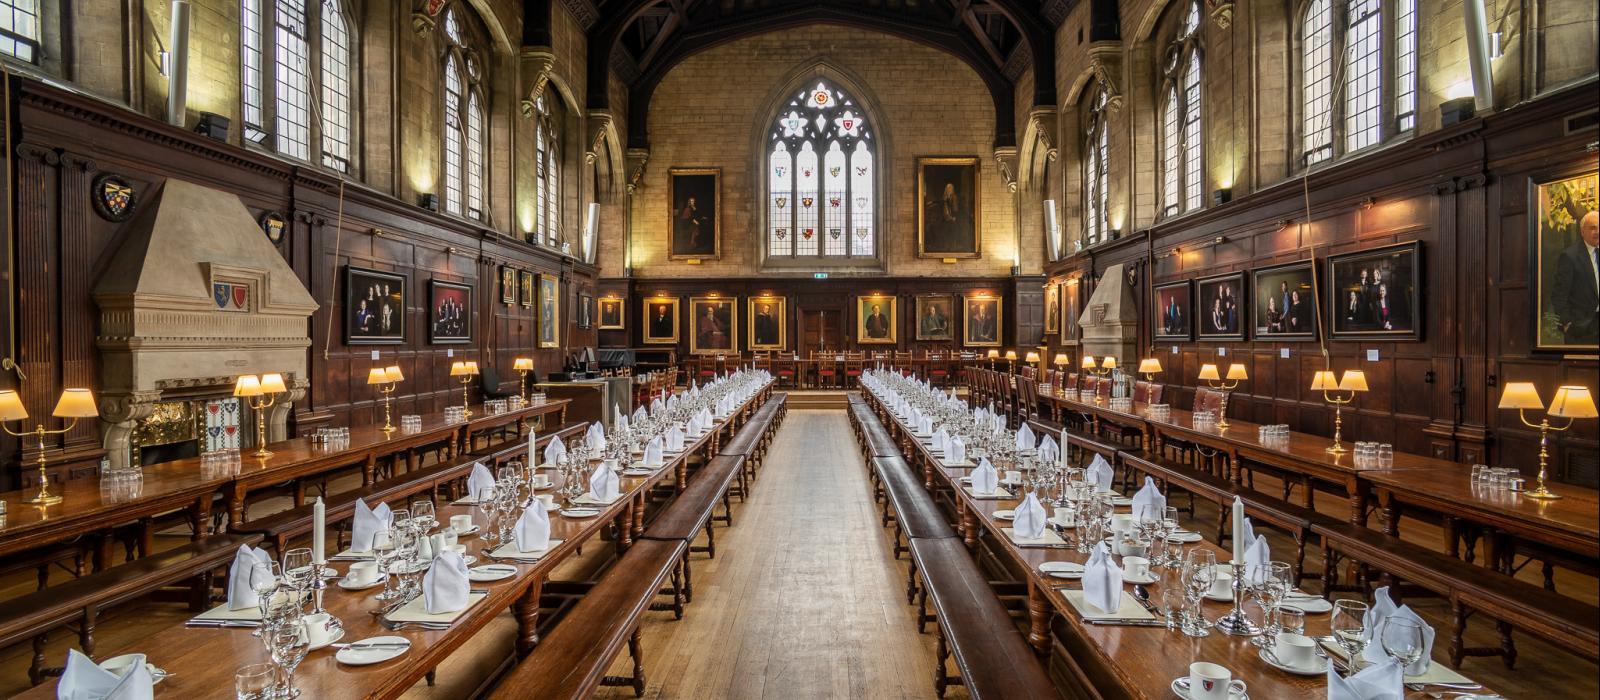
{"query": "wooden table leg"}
(638, 516)
(200, 516)
(369, 471)
(1038, 619)
(1358, 501)
(526, 610)
(624, 528)
(235, 501)
(1388, 513)
(969, 528)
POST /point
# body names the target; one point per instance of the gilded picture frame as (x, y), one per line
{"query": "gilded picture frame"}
(713, 326)
(549, 321)
(659, 324)
(949, 207)
(768, 324)
(878, 320)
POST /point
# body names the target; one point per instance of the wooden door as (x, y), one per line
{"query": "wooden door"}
(820, 330)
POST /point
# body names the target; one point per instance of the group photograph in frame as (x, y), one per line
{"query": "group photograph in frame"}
(1376, 293)
(713, 325)
(1283, 306)
(549, 311)
(948, 207)
(695, 228)
(768, 329)
(935, 316)
(449, 313)
(980, 321)
(1174, 311)
(1220, 310)
(613, 314)
(660, 321)
(374, 307)
(877, 320)
(1566, 231)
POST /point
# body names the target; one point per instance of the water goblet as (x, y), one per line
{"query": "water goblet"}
(256, 682)
(1349, 626)
(298, 569)
(487, 503)
(1402, 639)
(265, 580)
(423, 514)
(289, 648)
(1199, 572)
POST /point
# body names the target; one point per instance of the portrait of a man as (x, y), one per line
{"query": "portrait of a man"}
(1566, 260)
(713, 328)
(660, 321)
(948, 214)
(549, 311)
(981, 321)
(876, 320)
(767, 316)
(1052, 308)
(696, 204)
(611, 316)
(934, 314)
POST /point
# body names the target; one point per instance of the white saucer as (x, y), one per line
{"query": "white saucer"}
(363, 657)
(481, 574)
(345, 583)
(115, 665)
(1121, 501)
(1062, 569)
(1182, 691)
(1145, 580)
(467, 532)
(324, 645)
(546, 487)
(1058, 523)
(580, 512)
(1318, 666)
(1187, 537)
(1005, 515)
(1309, 606)
(1220, 598)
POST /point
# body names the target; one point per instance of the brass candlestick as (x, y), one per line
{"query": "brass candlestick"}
(466, 371)
(1570, 402)
(73, 404)
(387, 380)
(1236, 374)
(1354, 380)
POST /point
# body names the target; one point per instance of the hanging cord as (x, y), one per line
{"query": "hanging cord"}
(1337, 89)
(10, 359)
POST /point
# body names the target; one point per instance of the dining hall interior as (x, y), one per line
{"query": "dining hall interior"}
(800, 349)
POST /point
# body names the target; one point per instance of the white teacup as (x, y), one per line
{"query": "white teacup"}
(1222, 585)
(1129, 547)
(1135, 567)
(1013, 476)
(548, 499)
(1208, 681)
(541, 481)
(1065, 518)
(449, 535)
(362, 573)
(461, 523)
(320, 628)
(1121, 522)
(1295, 650)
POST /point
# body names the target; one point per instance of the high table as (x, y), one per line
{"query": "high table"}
(1120, 661)
(189, 484)
(203, 660)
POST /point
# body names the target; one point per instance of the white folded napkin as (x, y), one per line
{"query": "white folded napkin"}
(1383, 681)
(1049, 451)
(672, 403)
(1256, 558)
(621, 423)
(925, 425)
(371, 521)
(705, 418)
(956, 451)
(1099, 473)
(532, 532)
(675, 439)
(83, 679)
(1102, 580)
(603, 485)
(554, 451)
(1148, 503)
(941, 440)
(1247, 532)
(595, 438)
(445, 587)
(1382, 609)
(652, 452)
(1025, 440)
(481, 479)
(1030, 517)
(241, 594)
(639, 413)
(984, 479)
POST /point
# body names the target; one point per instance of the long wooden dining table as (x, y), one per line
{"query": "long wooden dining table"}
(203, 660)
(89, 508)
(1117, 660)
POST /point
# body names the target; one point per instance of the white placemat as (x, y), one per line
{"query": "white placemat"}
(417, 610)
(1128, 609)
(509, 551)
(1049, 538)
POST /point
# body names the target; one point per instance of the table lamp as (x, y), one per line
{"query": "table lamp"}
(385, 378)
(260, 393)
(1150, 367)
(73, 404)
(466, 371)
(1354, 380)
(523, 365)
(993, 355)
(1570, 402)
(1033, 359)
(1011, 360)
(1236, 374)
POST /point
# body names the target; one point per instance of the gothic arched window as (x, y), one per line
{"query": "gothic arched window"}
(1358, 78)
(295, 59)
(1096, 225)
(820, 174)
(1182, 140)
(466, 131)
(546, 174)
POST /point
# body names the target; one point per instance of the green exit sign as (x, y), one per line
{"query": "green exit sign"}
(819, 275)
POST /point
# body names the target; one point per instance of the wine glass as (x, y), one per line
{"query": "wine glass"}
(422, 512)
(289, 648)
(1402, 639)
(384, 549)
(1349, 629)
(264, 582)
(299, 570)
(486, 502)
(1199, 572)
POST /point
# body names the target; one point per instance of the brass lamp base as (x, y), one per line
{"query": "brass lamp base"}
(45, 499)
(1540, 493)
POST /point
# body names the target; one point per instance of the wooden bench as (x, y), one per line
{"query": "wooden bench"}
(1563, 621)
(916, 516)
(992, 659)
(690, 512)
(80, 601)
(571, 661)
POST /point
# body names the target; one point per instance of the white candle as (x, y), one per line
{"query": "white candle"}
(1238, 531)
(319, 524)
(533, 449)
(1063, 446)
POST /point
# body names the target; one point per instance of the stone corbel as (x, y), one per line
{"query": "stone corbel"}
(1006, 158)
(537, 64)
(599, 123)
(1221, 12)
(1103, 61)
(119, 413)
(1044, 123)
(278, 415)
(637, 158)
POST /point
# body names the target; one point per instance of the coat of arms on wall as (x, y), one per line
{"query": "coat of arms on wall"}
(231, 296)
(273, 225)
(113, 197)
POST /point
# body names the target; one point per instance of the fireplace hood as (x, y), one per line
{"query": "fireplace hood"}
(1110, 322)
(195, 296)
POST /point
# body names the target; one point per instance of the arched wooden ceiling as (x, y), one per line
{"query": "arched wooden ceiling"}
(652, 36)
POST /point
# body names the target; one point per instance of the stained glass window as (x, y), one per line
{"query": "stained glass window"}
(465, 133)
(820, 174)
(1182, 139)
(1095, 197)
(1405, 64)
(1317, 80)
(294, 100)
(19, 29)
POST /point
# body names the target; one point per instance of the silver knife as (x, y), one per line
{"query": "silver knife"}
(1123, 622)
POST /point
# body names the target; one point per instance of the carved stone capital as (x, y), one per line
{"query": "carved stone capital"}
(636, 160)
(537, 62)
(1005, 157)
(1043, 120)
(1105, 63)
(1221, 12)
(119, 413)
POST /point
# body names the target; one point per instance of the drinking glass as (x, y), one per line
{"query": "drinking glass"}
(264, 582)
(1199, 572)
(255, 682)
(1349, 629)
(289, 648)
(298, 569)
(1291, 621)
(485, 498)
(422, 512)
(1402, 639)
(1169, 602)
(384, 549)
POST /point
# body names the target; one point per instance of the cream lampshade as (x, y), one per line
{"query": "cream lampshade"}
(1569, 402)
(1323, 380)
(392, 373)
(11, 406)
(273, 384)
(1060, 360)
(994, 354)
(247, 385)
(1209, 373)
(458, 369)
(76, 403)
(472, 367)
(1011, 355)
(1088, 362)
(522, 364)
(1149, 365)
(1353, 380)
(1520, 395)
(1108, 363)
(1236, 371)
(1032, 358)
(376, 375)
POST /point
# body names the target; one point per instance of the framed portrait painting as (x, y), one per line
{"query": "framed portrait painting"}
(1284, 304)
(1376, 293)
(508, 285)
(549, 311)
(585, 310)
(980, 322)
(1174, 312)
(612, 315)
(696, 198)
(525, 284)
(1070, 296)
(1219, 311)
(713, 325)
(1052, 308)
(767, 322)
(948, 207)
(449, 313)
(877, 320)
(935, 317)
(1566, 231)
(374, 307)
(661, 321)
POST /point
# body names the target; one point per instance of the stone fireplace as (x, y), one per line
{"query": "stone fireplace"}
(195, 296)
(1110, 321)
